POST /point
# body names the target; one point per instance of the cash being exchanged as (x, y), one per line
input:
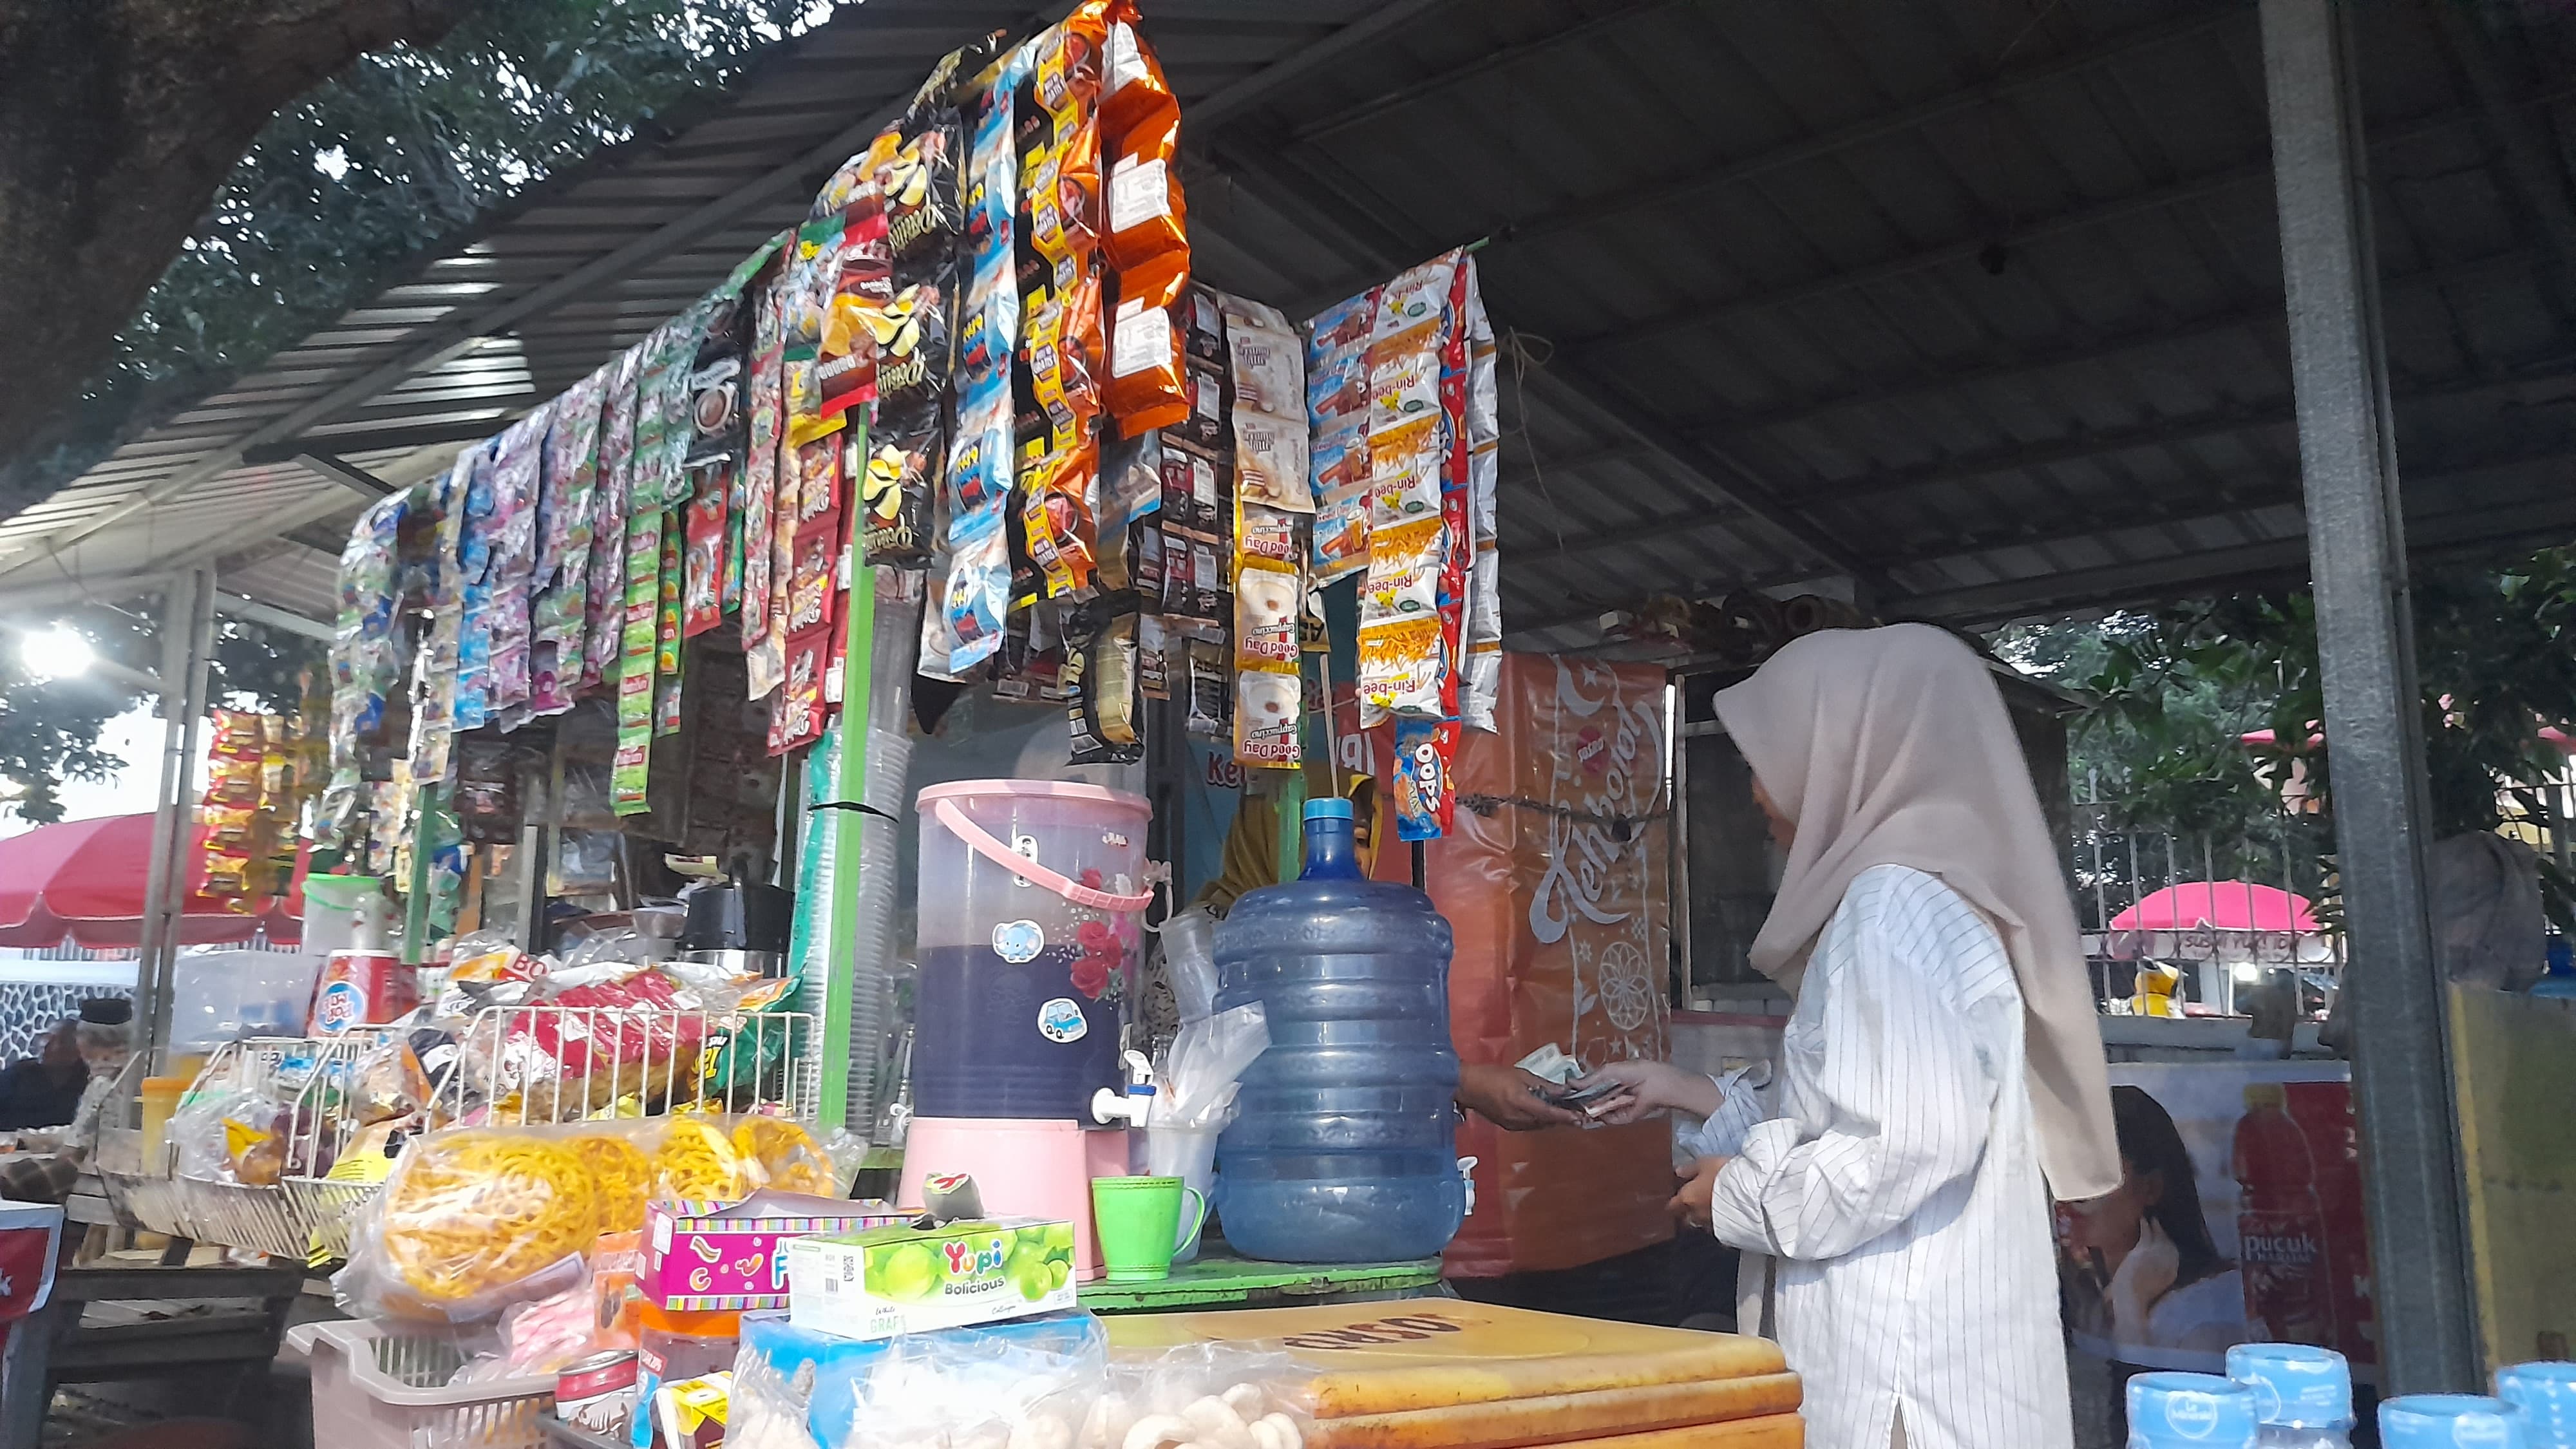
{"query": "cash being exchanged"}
(1549, 1064)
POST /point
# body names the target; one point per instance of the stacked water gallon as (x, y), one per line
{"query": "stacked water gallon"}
(2546, 1394)
(1344, 1151)
(2190, 1411)
(1029, 926)
(2302, 1394)
(2452, 1421)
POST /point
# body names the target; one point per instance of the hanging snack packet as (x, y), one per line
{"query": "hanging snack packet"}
(1266, 610)
(1193, 486)
(924, 210)
(850, 333)
(1270, 461)
(1131, 482)
(979, 466)
(1146, 389)
(978, 592)
(1268, 534)
(818, 484)
(1401, 665)
(1142, 124)
(1267, 713)
(903, 467)
(1426, 790)
(1269, 368)
(717, 424)
(1060, 345)
(1345, 324)
(1210, 712)
(1406, 467)
(912, 339)
(760, 459)
(1153, 657)
(1404, 572)
(1060, 531)
(701, 607)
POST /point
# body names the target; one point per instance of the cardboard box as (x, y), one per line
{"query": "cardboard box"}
(891, 1280)
(701, 1256)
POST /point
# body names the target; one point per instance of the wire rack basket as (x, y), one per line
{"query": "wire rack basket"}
(550, 1063)
(300, 1211)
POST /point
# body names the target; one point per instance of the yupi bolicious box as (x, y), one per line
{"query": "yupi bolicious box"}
(904, 1279)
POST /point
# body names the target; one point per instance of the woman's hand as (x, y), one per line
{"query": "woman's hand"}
(1699, 1187)
(2145, 1275)
(1649, 1087)
(1511, 1099)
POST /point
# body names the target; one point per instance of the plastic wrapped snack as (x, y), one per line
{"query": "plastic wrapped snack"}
(476, 1220)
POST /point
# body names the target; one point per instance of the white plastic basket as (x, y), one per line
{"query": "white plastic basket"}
(288, 1218)
(635, 1061)
(382, 1386)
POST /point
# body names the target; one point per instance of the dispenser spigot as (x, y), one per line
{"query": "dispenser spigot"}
(1137, 1105)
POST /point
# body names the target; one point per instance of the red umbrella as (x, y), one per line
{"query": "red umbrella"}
(84, 879)
(2227, 905)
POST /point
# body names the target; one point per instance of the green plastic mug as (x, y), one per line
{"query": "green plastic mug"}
(1139, 1220)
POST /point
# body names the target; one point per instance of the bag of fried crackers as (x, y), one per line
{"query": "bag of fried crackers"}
(476, 1219)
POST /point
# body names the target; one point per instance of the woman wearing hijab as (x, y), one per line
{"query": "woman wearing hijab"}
(1942, 1072)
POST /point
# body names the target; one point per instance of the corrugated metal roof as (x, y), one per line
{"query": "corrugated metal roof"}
(1979, 303)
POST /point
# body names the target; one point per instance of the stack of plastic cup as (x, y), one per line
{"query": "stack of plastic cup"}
(2451, 1421)
(2302, 1395)
(2190, 1411)
(2546, 1392)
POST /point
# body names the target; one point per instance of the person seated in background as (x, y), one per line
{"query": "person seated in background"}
(45, 1090)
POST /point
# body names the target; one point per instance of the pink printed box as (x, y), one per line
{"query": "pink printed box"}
(702, 1256)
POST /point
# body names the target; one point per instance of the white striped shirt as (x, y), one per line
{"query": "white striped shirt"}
(1899, 1185)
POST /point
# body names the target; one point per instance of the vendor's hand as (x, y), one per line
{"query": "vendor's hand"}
(1649, 1087)
(1510, 1099)
(1699, 1187)
(2145, 1275)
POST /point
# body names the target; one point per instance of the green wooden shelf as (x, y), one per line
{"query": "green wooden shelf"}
(1222, 1281)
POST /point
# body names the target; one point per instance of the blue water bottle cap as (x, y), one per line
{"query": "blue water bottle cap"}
(2190, 1411)
(2547, 1392)
(1328, 809)
(2451, 1421)
(2295, 1386)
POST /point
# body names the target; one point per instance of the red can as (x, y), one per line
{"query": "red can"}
(362, 988)
(598, 1393)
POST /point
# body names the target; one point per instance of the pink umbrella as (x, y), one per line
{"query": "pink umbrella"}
(2227, 905)
(84, 879)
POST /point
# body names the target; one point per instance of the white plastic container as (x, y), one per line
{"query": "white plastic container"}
(377, 1386)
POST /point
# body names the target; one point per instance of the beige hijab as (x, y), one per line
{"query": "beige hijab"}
(1891, 747)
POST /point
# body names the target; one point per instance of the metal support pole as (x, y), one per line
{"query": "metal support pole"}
(2402, 1083)
(187, 640)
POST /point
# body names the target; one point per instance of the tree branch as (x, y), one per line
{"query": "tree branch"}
(119, 119)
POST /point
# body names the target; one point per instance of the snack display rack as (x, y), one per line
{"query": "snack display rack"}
(631, 1063)
(553, 1063)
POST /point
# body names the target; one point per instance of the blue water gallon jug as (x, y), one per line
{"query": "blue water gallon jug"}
(1344, 1150)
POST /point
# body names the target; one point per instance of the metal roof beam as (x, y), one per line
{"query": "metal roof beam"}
(241, 606)
(1823, 494)
(1389, 247)
(332, 470)
(2265, 317)
(1610, 206)
(1201, 120)
(1970, 249)
(1485, 64)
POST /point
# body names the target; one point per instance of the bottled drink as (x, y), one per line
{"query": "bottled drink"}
(2189, 1411)
(2302, 1394)
(1344, 1151)
(2451, 1421)
(2280, 1224)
